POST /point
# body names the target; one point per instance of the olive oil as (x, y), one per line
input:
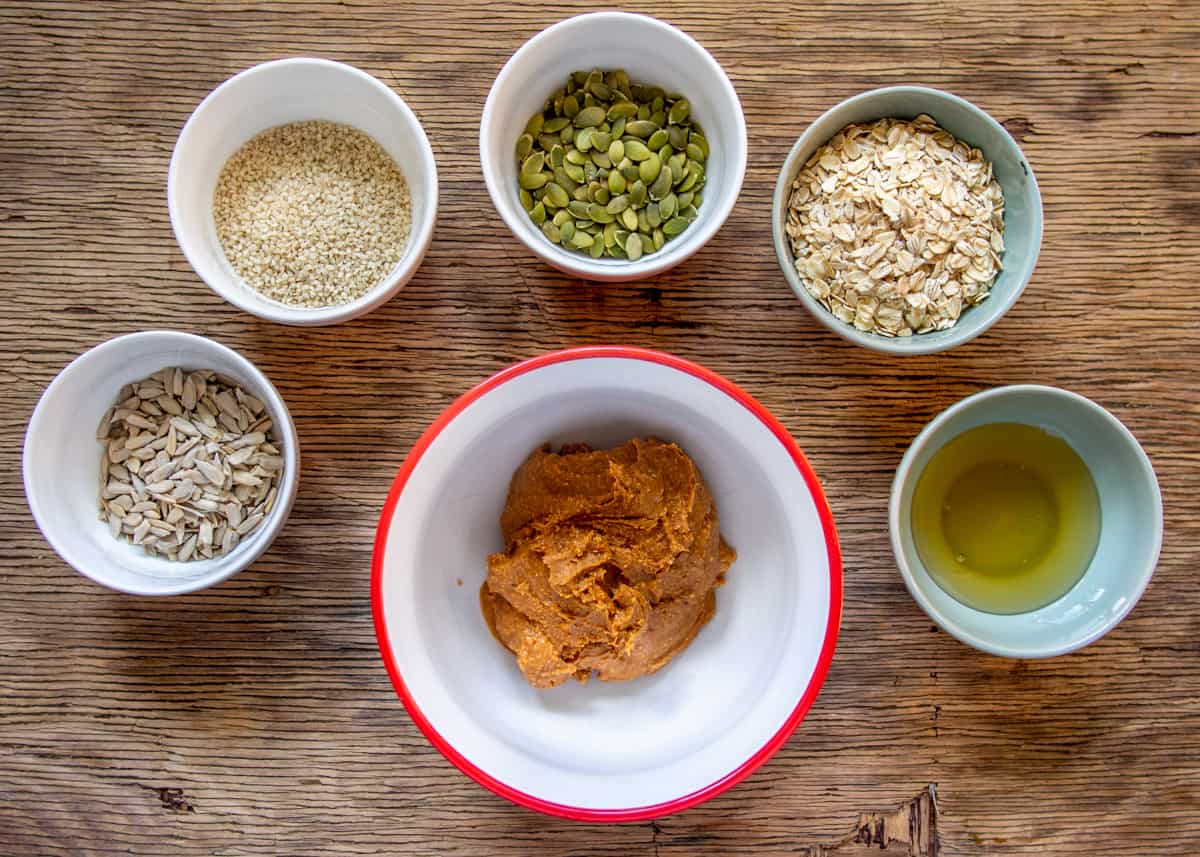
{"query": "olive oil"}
(1006, 517)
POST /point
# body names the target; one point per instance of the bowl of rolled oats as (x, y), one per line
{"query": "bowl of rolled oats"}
(160, 463)
(907, 220)
(303, 191)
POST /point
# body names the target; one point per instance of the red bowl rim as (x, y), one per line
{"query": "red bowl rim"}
(743, 770)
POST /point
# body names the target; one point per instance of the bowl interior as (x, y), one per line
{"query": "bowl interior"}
(607, 746)
(62, 462)
(653, 53)
(1130, 528)
(275, 94)
(1022, 206)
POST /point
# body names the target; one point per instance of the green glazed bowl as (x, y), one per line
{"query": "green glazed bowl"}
(1130, 524)
(1022, 208)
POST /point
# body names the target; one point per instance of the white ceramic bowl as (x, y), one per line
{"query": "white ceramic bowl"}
(1022, 208)
(652, 52)
(1130, 524)
(62, 462)
(276, 93)
(607, 751)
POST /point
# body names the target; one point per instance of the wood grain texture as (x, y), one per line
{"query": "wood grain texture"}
(256, 718)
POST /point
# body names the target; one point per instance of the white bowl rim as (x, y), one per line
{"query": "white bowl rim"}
(419, 239)
(689, 242)
(832, 626)
(288, 485)
(909, 345)
(946, 622)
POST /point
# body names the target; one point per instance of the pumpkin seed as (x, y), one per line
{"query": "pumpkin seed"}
(616, 151)
(524, 146)
(589, 117)
(561, 216)
(555, 196)
(637, 194)
(538, 215)
(641, 128)
(633, 247)
(597, 248)
(578, 209)
(649, 169)
(666, 206)
(526, 200)
(600, 214)
(657, 140)
(617, 204)
(616, 182)
(700, 141)
(533, 164)
(535, 124)
(659, 238)
(533, 182)
(636, 150)
(674, 226)
(570, 106)
(629, 219)
(553, 126)
(567, 230)
(662, 185)
(551, 231)
(622, 110)
(679, 111)
(653, 216)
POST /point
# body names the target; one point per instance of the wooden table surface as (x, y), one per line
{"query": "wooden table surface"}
(256, 717)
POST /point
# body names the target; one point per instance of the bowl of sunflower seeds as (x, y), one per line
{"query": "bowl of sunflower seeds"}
(160, 462)
(613, 146)
(907, 220)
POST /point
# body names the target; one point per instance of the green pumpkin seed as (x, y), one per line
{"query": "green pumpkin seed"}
(630, 219)
(659, 117)
(674, 226)
(617, 251)
(653, 216)
(697, 200)
(583, 139)
(689, 214)
(588, 117)
(548, 141)
(643, 112)
(556, 196)
(524, 146)
(649, 169)
(601, 139)
(557, 155)
(584, 225)
(622, 110)
(683, 200)
(610, 234)
(657, 140)
(666, 206)
(599, 213)
(533, 182)
(695, 152)
(643, 222)
(659, 102)
(629, 171)
(533, 164)
(678, 164)
(581, 194)
(659, 238)
(581, 240)
(526, 199)
(636, 150)
(640, 128)
(535, 124)
(617, 204)
(622, 79)
(577, 208)
(561, 216)
(574, 156)
(618, 128)
(602, 195)
(592, 188)
(552, 232)
(591, 171)
(570, 106)
(694, 173)
(616, 151)
(567, 230)
(553, 126)
(666, 153)
(601, 159)
(597, 248)
(679, 111)
(633, 247)
(563, 180)
(616, 182)
(662, 185)
(538, 214)
(574, 172)
(567, 135)
(700, 141)
(678, 137)
(637, 194)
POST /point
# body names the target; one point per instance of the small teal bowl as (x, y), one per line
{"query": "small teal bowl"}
(1130, 524)
(1022, 208)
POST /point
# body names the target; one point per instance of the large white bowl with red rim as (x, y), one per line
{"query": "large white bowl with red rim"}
(620, 751)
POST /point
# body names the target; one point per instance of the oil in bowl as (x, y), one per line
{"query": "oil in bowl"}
(1006, 517)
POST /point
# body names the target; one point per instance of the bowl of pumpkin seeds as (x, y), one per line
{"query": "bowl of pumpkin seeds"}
(613, 146)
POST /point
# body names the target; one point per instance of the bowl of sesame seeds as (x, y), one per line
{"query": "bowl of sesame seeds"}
(303, 191)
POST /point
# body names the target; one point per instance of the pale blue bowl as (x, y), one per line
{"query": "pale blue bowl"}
(1022, 208)
(1130, 524)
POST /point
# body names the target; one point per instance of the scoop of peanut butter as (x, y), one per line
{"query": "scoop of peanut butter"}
(611, 563)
